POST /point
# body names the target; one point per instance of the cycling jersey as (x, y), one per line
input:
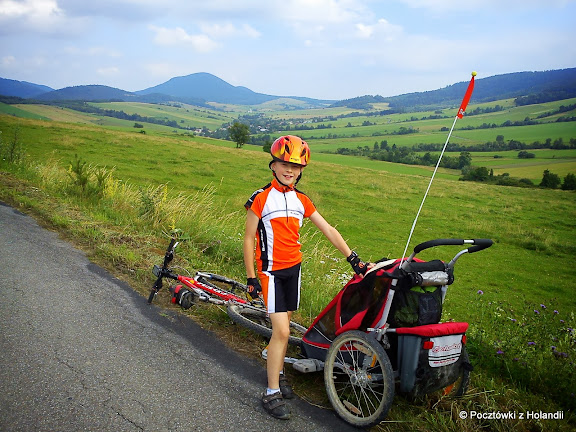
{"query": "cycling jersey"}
(280, 210)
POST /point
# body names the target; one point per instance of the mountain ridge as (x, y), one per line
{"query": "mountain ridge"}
(202, 87)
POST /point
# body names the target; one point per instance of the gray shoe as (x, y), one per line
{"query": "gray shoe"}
(276, 406)
(286, 388)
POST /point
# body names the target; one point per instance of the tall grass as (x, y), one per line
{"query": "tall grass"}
(534, 347)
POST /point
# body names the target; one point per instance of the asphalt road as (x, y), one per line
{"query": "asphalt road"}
(82, 351)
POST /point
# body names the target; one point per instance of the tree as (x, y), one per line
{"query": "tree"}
(569, 182)
(239, 133)
(267, 145)
(550, 180)
(464, 160)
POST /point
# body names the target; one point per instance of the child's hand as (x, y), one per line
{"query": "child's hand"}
(359, 266)
(254, 287)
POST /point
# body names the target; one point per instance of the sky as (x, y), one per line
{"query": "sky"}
(323, 49)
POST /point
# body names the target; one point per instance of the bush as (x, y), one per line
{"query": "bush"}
(479, 174)
(526, 155)
(12, 150)
(569, 182)
(550, 180)
(87, 181)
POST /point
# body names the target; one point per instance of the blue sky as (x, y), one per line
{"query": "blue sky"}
(325, 49)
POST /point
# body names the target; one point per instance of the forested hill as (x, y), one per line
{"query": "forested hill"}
(21, 89)
(526, 87)
(200, 88)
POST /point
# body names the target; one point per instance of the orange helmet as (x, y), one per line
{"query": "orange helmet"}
(290, 148)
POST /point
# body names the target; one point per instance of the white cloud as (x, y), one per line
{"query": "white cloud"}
(8, 61)
(34, 9)
(228, 30)
(163, 71)
(108, 71)
(35, 12)
(94, 51)
(179, 36)
(382, 30)
(320, 11)
(36, 16)
(456, 5)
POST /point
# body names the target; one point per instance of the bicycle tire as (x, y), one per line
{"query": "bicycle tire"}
(257, 320)
(359, 379)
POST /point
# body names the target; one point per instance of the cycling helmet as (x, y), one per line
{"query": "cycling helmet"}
(290, 148)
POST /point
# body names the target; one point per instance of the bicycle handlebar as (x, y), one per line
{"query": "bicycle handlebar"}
(169, 255)
(477, 244)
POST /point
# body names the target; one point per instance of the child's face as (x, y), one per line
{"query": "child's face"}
(287, 172)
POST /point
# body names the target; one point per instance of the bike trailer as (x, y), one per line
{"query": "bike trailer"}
(360, 304)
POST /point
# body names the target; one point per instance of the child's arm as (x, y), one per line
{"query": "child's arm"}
(252, 283)
(249, 236)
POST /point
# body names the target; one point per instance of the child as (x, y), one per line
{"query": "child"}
(274, 217)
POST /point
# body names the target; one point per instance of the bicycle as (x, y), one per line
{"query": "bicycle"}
(216, 289)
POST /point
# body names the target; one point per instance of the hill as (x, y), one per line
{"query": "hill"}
(87, 93)
(537, 86)
(211, 88)
(94, 93)
(21, 89)
(195, 89)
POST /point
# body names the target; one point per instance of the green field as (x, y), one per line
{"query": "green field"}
(379, 195)
(198, 185)
(185, 115)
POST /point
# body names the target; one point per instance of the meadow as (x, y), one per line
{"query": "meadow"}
(517, 295)
(342, 127)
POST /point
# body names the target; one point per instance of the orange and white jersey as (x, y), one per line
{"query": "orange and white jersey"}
(281, 211)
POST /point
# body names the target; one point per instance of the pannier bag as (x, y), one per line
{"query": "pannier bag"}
(431, 357)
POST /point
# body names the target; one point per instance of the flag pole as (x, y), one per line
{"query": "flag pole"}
(460, 114)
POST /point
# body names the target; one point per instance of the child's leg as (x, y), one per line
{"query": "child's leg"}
(277, 347)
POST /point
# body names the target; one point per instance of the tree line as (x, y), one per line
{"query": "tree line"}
(549, 179)
(413, 156)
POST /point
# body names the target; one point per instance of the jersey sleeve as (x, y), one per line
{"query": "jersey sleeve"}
(309, 207)
(255, 202)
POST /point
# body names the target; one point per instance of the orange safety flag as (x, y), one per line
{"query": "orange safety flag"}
(466, 99)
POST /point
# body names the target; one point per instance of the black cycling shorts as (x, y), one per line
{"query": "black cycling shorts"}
(281, 289)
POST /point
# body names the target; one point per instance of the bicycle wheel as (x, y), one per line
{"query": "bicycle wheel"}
(359, 379)
(257, 320)
(459, 387)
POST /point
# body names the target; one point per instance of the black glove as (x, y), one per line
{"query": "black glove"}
(254, 288)
(357, 264)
